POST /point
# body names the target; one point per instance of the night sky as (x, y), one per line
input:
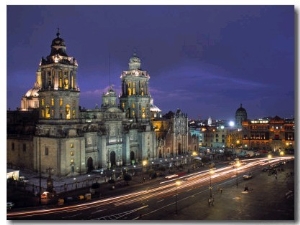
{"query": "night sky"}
(205, 60)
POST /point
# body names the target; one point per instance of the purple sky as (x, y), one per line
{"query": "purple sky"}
(205, 60)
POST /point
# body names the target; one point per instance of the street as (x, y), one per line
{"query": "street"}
(157, 200)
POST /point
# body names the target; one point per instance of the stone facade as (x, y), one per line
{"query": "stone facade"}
(72, 140)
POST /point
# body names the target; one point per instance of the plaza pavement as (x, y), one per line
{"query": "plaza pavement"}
(268, 199)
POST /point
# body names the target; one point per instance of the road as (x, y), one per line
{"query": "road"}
(161, 199)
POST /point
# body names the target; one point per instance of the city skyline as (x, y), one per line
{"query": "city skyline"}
(215, 57)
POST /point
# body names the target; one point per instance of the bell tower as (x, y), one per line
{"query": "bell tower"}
(135, 97)
(59, 93)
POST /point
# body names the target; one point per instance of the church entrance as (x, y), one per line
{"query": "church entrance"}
(179, 149)
(90, 166)
(132, 158)
(113, 158)
(160, 154)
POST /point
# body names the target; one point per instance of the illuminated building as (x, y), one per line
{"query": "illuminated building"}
(51, 130)
(270, 134)
(72, 140)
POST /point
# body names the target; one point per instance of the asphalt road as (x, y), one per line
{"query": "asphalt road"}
(266, 200)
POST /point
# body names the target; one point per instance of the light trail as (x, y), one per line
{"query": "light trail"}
(165, 189)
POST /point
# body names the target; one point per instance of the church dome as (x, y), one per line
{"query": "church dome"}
(58, 41)
(240, 116)
(110, 92)
(58, 46)
(134, 62)
(241, 110)
(33, 92)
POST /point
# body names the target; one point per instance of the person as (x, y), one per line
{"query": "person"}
(221, 190)
(275, 176)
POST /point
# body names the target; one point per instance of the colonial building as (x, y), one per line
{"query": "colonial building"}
(72, 140)
(172, 134)
(271, 134)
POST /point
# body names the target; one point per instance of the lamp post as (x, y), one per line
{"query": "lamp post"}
(177, 183)
(210, 187)
(236, 172)
(269, 159)
(144, 165)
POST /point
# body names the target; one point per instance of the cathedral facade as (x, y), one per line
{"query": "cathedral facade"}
(71, 140)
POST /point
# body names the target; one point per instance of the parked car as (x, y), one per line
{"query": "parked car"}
(247, 176)
(10, 205)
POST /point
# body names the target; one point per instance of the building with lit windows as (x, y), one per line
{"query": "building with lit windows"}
(271, 134)
(51, 130)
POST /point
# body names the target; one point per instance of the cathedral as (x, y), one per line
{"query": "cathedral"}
(50, 130)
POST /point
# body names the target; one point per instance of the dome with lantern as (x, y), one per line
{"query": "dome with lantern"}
(240, 116)
(241, 111)
(134, 62)
(58, 53)
(58, 46)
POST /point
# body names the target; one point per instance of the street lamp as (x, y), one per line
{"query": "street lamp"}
(269, 157)
(236, 172)
(211, 171)
(177, 183)
(144, 165)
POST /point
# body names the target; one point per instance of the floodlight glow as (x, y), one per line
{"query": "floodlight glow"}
(231, 123)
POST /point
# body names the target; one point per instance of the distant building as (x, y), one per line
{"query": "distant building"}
(240, 116)
(271, 134)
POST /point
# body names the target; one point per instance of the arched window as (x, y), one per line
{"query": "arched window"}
(47, 113)
(68, 112)
(60, 80)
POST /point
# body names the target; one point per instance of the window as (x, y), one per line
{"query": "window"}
(72, 153)
(60, 102)
(47, 112)
(71, 145)
(46, 151)
(52, 101)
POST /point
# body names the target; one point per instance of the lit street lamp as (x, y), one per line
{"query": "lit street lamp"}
(144, 165)
(236, 172)
(269, 157)
(177, 183)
